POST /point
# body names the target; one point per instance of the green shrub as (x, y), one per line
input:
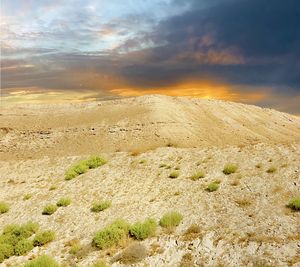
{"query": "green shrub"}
(121, 224)
(294, 204)
(10, 239)
(271, 170)
(3, 207)
(170, 219)
(49, 209)
(83, 166)
(214, 186)
(100, 206)
(230, 168)
(141, 231)
(42, 261)
(70, 174)
(162, 165)
(111, 235)
(20, 231)
(22, 247)
(14, 239)
(27, 196)
(52, 187)
(6, 250)
(258, 166)
(95, 161)
(63, 202)
(43, 238)
(174, 174)
(75, 248)
(198, 175)
(30, 228)
(100, 263)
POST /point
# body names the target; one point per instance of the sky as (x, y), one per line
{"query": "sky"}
(83, 50)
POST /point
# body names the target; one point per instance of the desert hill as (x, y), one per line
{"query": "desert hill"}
(140, 123)
(229, 171)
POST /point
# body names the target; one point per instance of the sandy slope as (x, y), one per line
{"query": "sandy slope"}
(244, 223)
(138, 123)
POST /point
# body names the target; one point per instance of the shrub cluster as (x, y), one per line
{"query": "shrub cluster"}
(143, 230)
(230, 168)
(83, 166)
(51, 208)
(14, 239)
(114, 233)
(42, 261)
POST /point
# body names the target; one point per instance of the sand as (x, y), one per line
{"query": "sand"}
(245, 222)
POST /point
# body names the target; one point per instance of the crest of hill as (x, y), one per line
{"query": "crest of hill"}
(141, 123)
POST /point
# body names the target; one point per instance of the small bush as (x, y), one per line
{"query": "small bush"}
(3, 207)
(100, 263)
(13, 240)
(214, 186)
(20, 231)
(271, 170)
(83, 166)
(141, 231)
(100, 206)
(43, 238)
(162, 165)
(170, 219)
(63, 202)
(22, 247)
(49, 209)
(193, 229)
(75, 248)
(258, 166)
(95, 162)
(30, 228)
(294, 204)
(133, 254)
(6, 250)
(111, 235)
(27, 196)
(174, 174)
(52, 187)
(197, 176)
(42, 261)
(230, 168)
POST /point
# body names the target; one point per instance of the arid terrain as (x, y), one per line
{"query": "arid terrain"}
(245, 222)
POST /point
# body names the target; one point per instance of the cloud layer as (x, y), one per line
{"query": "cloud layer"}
(241, 50)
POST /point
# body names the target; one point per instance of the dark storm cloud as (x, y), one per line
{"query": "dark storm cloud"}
(266, 34)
